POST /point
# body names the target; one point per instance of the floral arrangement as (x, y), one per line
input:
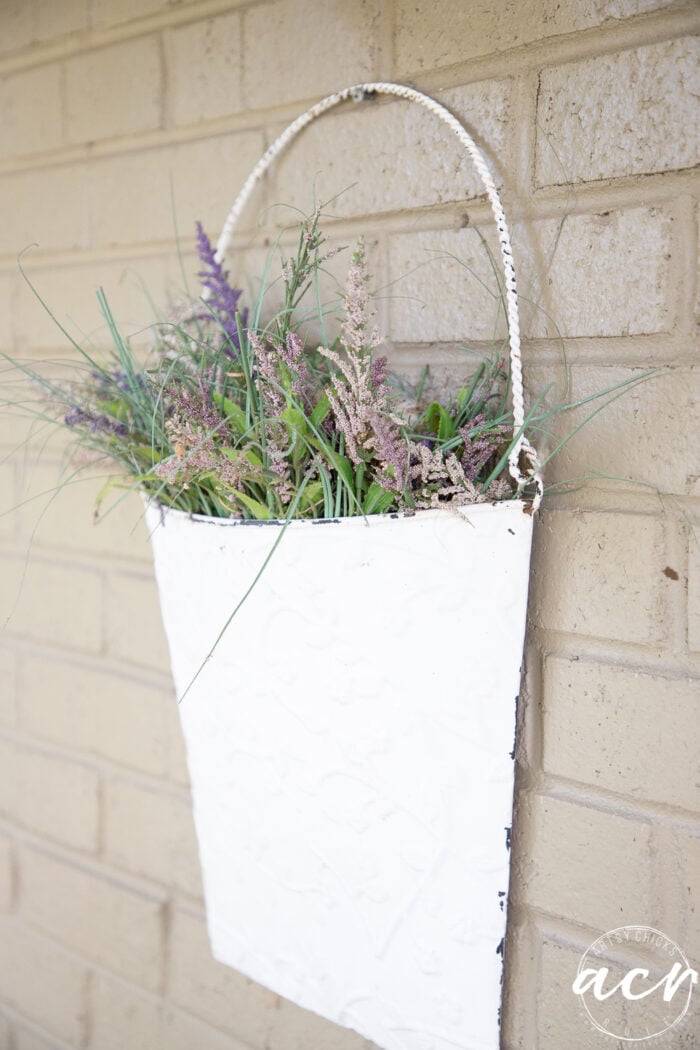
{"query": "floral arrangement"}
(232, 415)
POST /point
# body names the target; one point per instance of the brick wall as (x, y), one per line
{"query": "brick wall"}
(116, 115)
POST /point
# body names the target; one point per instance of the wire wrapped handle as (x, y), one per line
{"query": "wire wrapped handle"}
(522, 449)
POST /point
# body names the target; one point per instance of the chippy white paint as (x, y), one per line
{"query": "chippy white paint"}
(350, 750)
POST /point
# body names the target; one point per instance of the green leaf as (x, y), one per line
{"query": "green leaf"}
(320, 412)
(231, 411)
(259, 511)
(378, 500)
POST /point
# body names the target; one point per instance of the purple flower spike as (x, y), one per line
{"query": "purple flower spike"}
(221, 297)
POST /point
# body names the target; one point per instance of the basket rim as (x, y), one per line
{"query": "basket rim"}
(465, 511)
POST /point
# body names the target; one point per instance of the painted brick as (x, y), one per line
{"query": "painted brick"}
(36, 603)
(7, 297)
(5, 1033)
(8, 500)
(69, 521)
(600, 574)
(106, 13)
(98, 712)
(29, 962)
(51, 796)
(299, 69)
(134, 627)
(591, 130)
(7, 879)
(603, 275)
(177, 766)
(211, 991)
(429, 35)
(396, 156)
(130, 200)
(442, 288)
(111, 922)
(694, 591)
(205, 69)
(688, 850)
(104, 97)
(596, 730)
(609, 274)
(30, 104)
(562, 1019)
(53, 19)
(8, 687)
(29, 1039)
(43, 224)
(71, 294)
(642, 436)
(587, 865)
(123, 1017)
(17, 25)
(294, 1029)
(151, 832)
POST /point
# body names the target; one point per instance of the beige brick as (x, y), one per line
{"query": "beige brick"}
(53, 19)
(205, 69)
(31, 111)
(591, 130)
(130, 199)
(7, 877)
(694, 590)
(587, 865)
(63, 514)
(7, 297)
(600, 574)
(51, 796)
(151, 832)
(111, 922)
(688, 851)
(94, 711)
(395, 156)
(443, 32)
(562, 1019)
(108, 13)
(42, 982)
(596, 729)
(292, 1028)
(301, 68)
(135, 630)
(113, 91)
(124, 1017)
(211, 991)
(8, 500)
(70, 293)
(177, 767)
(8, 687)
(609, 274)
(43, 223)
(37, 603)
(17, 25)
(443, 287)
(642, 436)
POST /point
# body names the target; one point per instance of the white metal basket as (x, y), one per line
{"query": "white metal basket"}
(350, 741)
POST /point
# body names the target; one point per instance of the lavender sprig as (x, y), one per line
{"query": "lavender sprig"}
(222, 298)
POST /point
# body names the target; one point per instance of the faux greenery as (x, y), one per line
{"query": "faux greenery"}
(238, 412)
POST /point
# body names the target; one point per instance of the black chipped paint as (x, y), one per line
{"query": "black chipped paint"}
(508, 834)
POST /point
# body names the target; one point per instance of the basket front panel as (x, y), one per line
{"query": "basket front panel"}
(349, 745)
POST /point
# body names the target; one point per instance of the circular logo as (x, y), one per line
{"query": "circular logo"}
(634, 983)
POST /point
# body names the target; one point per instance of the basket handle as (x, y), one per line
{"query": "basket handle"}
(358, 93)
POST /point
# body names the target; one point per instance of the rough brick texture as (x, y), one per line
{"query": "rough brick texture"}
(124, 121)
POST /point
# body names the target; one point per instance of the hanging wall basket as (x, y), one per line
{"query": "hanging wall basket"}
(350, 741)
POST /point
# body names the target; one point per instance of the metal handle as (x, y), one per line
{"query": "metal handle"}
(358, 93)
